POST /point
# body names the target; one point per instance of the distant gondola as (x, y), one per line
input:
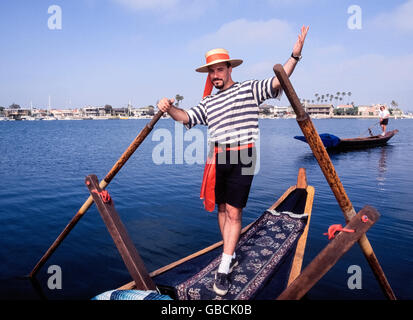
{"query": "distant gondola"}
(334, 143)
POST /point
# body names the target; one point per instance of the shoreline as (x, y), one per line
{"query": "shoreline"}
(168, 117)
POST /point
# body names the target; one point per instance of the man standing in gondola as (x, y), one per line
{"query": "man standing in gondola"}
(231, 115)
(384, 119)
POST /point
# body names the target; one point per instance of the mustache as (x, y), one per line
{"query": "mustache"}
(215, 79)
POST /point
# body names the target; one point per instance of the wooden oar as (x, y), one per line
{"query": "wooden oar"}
(369, 129)
(103, 184)
(323, 159)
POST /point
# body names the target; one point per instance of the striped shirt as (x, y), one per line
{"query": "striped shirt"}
(232, 114)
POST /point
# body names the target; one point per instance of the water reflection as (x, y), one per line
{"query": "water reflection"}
(382, 168)
(368, 158)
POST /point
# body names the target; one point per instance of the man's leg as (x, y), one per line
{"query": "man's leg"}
(221, 217)
(230, 223)
(232, 228)
(229, 220)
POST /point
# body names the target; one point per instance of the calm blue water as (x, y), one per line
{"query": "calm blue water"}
(43, 166)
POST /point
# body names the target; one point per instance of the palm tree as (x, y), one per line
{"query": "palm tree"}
(151, 110)
(349, 94)
(14, 106)
(178, 98)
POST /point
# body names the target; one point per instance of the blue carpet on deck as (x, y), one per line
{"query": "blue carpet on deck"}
(265, 254)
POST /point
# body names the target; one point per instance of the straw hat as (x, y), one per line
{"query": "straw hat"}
(215, 56)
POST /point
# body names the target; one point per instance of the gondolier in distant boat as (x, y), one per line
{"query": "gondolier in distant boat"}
(384, 119)
(231, 115)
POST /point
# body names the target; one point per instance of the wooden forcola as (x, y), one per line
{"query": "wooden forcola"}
(120, 236)
(328, 257)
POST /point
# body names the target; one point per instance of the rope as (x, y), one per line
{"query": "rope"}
(336, 228)
(104, 195)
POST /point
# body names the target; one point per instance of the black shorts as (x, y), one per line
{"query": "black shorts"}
(385, 121)
(234, 174)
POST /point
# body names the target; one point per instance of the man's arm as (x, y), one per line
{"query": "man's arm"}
(166, 105)
(289, 66)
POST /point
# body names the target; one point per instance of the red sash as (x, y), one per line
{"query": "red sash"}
(208, 181)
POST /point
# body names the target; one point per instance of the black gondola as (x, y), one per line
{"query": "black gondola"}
(334, 143)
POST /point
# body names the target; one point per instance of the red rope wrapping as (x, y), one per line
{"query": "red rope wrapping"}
(336, 228)
(104, 195)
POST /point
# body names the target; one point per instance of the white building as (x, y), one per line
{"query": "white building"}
(280, 112)
(319, 110)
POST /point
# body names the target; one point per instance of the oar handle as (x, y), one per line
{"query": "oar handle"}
(132, 148)
(290, 92)
(316, 144)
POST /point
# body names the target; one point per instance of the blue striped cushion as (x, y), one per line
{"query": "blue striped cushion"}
(131, 295)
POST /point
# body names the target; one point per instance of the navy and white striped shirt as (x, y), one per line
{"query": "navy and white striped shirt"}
(232, 114)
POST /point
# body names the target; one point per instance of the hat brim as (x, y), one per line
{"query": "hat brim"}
(234, 63)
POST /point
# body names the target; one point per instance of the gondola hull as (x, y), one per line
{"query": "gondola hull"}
(334, 143)
(182, 278)
(362, 143)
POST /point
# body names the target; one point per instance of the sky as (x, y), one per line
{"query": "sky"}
(115, 51)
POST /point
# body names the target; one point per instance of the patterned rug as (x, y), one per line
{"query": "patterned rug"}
(260, 251)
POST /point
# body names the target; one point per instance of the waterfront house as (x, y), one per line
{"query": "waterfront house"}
(266, 111)
(121, 112)
(280, 112)
(319, 110)
(16, 114)
(368, 111)
(345, 106)
(143, 112)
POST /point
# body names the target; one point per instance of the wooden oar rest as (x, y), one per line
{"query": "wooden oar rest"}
(118, 232)
(329, 256)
